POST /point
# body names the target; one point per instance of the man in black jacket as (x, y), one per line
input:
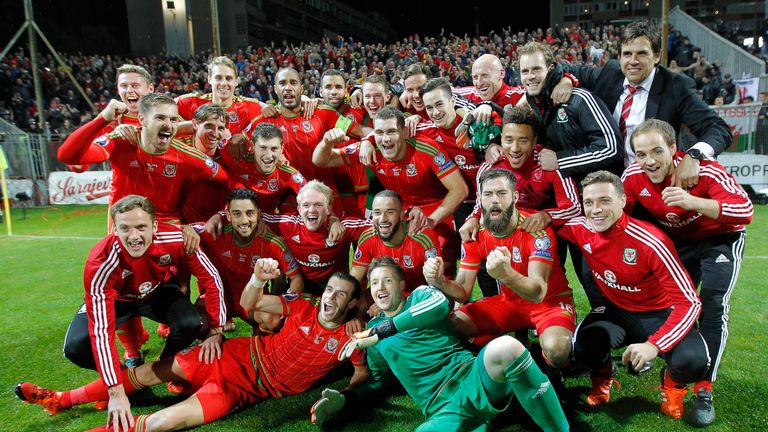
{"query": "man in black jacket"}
(655, 92)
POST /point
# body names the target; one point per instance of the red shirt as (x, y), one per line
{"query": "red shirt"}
(113, 275)
(685, 225)
(318, 258)
(158, 177)
(411, 253)
(416, 176)
(125, 119)
(525, 247)
(235, 261)
(241, 112)
(637, 269)
(202, 198)
(302, 352)
(301, 136)
(507, 95)
(539, 190)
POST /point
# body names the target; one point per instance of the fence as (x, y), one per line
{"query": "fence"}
(28, 163)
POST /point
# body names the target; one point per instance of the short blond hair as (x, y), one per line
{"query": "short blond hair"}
(221, 61)
(130, 68)
(320, 187)
(533, 48)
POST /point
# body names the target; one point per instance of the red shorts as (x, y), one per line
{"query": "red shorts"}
(227, 384)
(498, 315)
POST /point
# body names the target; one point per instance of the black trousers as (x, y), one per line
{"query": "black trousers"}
(609, 327)
(168, 306)
(715, 263)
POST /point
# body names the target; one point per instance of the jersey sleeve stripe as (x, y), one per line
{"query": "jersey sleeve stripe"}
(434, 301)
(100, 316)
(203, 258)
(611, 148)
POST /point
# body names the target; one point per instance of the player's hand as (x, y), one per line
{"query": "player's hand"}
(367, 153)
(119, 415)
(417, 221)
(536, 222)
(327, 407)
(129, 133)
(336, 229)
(562, 92)
(405, 101)
(359, 341)
(269, 111)
(434, 271)
(114, 110)
(373, 310)
(499, 263)
(308, 106)
(210, 348)
(686, 175)
(356, 99)
(191, 239)
(335, 137)
(483, 113)
(238, 146)
(266, 269)
(355, 325)
(548, 160)
(493, 153)
(639, 353)
(411, 122)
(214, 226)
(678, 197)
(469, 230)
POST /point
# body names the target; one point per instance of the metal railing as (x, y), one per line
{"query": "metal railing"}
(731, 58)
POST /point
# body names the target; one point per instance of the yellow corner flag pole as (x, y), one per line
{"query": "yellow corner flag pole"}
(6, 203)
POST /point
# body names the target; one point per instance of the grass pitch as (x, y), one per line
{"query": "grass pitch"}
(41, 288)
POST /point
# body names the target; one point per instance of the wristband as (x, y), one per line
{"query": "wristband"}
(384, 330)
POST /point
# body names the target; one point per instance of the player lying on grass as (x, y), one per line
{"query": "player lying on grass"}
(413, 339)
(247, 370)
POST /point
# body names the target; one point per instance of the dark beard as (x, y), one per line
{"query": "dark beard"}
(393, 232)
(498, 226)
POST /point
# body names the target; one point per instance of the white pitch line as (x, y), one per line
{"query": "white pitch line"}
(34, 237)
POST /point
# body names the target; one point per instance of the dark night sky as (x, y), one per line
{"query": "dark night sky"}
(88, 26)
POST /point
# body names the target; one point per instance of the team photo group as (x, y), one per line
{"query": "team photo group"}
(417, 229)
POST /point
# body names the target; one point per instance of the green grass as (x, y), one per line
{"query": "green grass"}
(41, 288)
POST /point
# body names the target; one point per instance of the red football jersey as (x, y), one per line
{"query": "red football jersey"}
(235, 261)
(125, 119)
(112, 275)
(241, 112)
(416, 176)
(525, 247)
(507, 95)
(637, 269)
(303, 351)
(411, 253)
(157, 177)
(538, 190)
(202, 198)
(301, 136)
(685, 225)
(317, 257)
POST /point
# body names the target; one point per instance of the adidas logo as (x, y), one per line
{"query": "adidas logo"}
(381, 171)
(305, 329)
(439, 139)
(296, 238)
(127, 273)
(587, 247)
(722, 259)
(645, 193)
(227, 254)
(134, 164)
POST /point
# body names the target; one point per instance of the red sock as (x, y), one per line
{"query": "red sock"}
(669, 382)
(132, 337)
(139, 421)
(703, 385)
(606, 370)
(97, 390)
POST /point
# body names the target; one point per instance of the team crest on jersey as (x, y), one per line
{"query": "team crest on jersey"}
(307, 126)
(516, 256)
(630, 256)
(537, 175)
(291, 297)
(609, 276)
(272, 184)
(358, 254)
(331, 345)
(431, 253)
(145, 287)
(329, 243)
(543, 243)
(233, 116)
(164, 259)
(460, 160)
(562, 117)
(313, 258)
(298, 178)
(254, 258)
(169, 170)
(410, 170)
(407, 261)
(673, 218)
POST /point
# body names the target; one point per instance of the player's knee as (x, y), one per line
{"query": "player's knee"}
(504, 350)
(688, 366)
(557, 351)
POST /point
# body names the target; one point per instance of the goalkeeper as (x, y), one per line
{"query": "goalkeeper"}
(413, 339)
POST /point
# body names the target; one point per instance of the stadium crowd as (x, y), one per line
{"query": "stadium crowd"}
(446, 55)
(435, 157)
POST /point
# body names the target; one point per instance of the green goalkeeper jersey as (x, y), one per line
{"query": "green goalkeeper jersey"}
(424, 354)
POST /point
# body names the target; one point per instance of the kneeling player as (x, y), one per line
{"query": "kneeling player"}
(413, 339)
(230, 380)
